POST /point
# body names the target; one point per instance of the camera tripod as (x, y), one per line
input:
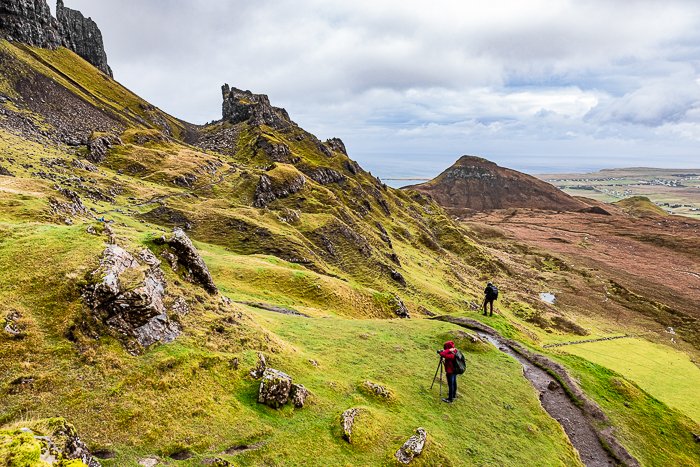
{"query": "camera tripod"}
(439, 368)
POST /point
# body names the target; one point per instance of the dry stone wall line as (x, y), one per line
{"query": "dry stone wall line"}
(562, 344)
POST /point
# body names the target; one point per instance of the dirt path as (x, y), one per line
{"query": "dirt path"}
(562, 409)
(560, 406)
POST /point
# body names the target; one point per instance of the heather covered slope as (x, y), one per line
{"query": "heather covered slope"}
(475, 184)
(283, 221)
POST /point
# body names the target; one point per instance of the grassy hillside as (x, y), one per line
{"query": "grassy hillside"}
(281, 219)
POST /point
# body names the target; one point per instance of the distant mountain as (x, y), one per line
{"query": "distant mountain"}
(476, 184)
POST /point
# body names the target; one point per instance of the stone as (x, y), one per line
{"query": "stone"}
(5, 172)
(98, 145)
(412, 447)
(30, 22)
(347, 420)
(276, 152)
(552, 386)
(13, 325)
(399, 308)
(240, 106)
(337, 145)
(376, 390)
(696, 437)
(148, 462)
(60, 444)
(398, 277)
(127, 295)
(189, 258)
(260, 367)
(82, 36)
(325, 175)
(274, 388)
(269, 190)
(298, 395)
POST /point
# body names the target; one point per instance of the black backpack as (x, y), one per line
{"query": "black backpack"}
(493, 292)
(460, 363)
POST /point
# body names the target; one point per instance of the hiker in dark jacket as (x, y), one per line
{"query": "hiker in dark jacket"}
(448, 354)
(490, 294)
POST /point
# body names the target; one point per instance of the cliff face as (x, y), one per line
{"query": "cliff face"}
(82, 36)
(30, 22)
(476, 184)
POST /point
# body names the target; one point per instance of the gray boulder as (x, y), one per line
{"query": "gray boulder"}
(188, 257)
(274, 388)
(412, 447)
(298, 395)
(347, 420)
(260, 367)
(127, 293)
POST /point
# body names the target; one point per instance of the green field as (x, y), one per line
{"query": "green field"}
(664, 373)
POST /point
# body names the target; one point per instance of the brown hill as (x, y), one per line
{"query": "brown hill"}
(476, 184)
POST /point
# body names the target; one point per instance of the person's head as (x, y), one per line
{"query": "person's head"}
(490, 283)
(449, 345)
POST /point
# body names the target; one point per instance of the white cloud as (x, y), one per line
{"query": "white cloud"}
(507, 78)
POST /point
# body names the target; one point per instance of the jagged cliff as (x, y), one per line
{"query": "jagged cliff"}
(82, 36)
(30, 22)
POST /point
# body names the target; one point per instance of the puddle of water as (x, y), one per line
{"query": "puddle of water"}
(548, 297)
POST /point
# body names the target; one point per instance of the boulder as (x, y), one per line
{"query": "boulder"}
(399, 308)
(260, 367)
(274, 388)
(48, 442)
(14, 326)
(412, 447)
(127, 293)
(188, 257)
(99, 144)
(552, 386)
(270, 189)
(376, 390)
(347, 420)
(298, 395)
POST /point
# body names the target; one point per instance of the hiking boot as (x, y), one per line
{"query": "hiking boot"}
(449, 401)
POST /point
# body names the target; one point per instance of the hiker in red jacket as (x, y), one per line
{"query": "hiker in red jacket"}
(449, 355)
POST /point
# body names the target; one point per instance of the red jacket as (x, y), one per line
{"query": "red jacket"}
(449, 355)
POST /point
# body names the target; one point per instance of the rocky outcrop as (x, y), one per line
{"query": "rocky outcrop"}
(376, 390)
(276, 152)
(274, 388)
(127, 295)
(337, 145)
(412, 447)
(82, 36)
(476, 184)
(298, 395)
(30, 22)
(186, 257)
(13, 326)
(325, 175)
(5, 172)
(240, 106)
(98, 145)
(270, 189)
(347, 421)
(399, 308)
(47, 442)
(260, 367)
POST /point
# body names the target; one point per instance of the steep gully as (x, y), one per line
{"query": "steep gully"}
(563, 400)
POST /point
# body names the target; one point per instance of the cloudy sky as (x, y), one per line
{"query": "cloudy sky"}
(538, 85)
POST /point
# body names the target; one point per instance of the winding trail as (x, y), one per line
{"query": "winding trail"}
(570, 408)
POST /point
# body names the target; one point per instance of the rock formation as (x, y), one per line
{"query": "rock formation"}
(347, 420)
(412, 447)
(274, 388)
(30, 22)
(54, 442)
(185, 255)
(376, 390)
(240, 106)
(475, 184)
(298, 395)
(127, 296)
(82, 36)
(270, 188)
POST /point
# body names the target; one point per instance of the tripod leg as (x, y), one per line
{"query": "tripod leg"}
(436, 373)
(440, 377)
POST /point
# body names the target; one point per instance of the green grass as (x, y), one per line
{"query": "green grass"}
(652, 432)
(664, 373)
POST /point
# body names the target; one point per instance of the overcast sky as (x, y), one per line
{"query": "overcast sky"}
(538, 85)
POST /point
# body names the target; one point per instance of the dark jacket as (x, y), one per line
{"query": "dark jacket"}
(449, 355)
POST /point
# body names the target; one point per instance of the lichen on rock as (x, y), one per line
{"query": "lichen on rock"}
(183, 254)
(412, 447)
